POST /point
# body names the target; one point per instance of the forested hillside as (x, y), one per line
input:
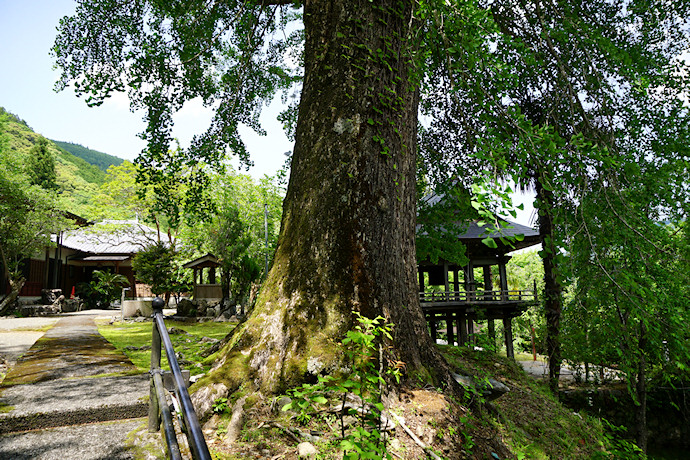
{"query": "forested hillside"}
(76, 180)
(102, 160)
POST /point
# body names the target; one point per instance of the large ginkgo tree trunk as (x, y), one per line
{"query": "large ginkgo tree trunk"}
(347, 239)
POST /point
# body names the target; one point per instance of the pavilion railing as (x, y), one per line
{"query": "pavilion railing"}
(508, 295)
(159, 411)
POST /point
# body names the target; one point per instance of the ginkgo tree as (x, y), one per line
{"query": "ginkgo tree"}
(347, 233)
(361, 68)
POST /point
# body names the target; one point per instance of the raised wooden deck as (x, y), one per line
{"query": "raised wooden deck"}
(452, 301)
(459, 309)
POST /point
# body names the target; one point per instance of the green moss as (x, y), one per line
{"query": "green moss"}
(129, 337)
(234, 372)
(144, 444)
(44, 354)
(5, 408)
(35, 329)
(531, 420)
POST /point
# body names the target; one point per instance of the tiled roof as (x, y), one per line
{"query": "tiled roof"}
(469, 229)
(112, 237)
(476, 231)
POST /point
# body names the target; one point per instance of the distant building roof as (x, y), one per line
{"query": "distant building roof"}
(209, 260)
(474, 230)
(112, 237)
(113, 258)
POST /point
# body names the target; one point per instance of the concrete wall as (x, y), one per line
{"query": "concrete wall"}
(132, 308)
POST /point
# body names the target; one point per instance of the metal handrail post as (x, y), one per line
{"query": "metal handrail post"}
(168, 427)
(197, 443)
(154, 405)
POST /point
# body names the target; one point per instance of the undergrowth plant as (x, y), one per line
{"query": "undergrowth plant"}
(355, 392)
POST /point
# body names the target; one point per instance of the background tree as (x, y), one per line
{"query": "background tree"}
(119, 196)
(155, 266)
(41, 166)
(77, 179)
(28, 216)
(108, 285)
(252, 199)
(632, 271)
(229, 242)
(236, 229)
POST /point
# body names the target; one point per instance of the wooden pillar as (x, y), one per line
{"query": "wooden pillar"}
(492, 333)
(46, 279)
(449, 327)
(420, 272)
(431, 318)
(445, 280)
(462, 329)
(470, 284)
(508, 333)
(503, 278)
(456, 282)
(488, 284)
(470, 331)
(212, 275)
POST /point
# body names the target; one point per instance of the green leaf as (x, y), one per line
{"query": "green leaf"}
(320, 400)
(490, 242)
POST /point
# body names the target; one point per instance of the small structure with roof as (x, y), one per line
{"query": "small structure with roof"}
(205, 287)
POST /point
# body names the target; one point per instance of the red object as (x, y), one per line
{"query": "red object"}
(71, 296)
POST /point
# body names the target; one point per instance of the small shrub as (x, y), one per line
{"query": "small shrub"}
(364, 382)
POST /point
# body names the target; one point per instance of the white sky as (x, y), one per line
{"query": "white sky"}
(27, 78)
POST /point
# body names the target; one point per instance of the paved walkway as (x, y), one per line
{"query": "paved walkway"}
(540, 370)
(70, 376)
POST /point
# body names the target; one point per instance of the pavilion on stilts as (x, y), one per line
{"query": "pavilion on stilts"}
(463, 295)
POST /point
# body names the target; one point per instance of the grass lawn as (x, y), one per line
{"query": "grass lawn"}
(134, 338)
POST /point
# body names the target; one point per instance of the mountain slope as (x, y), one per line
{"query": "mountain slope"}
(78, 181)
(93, 157)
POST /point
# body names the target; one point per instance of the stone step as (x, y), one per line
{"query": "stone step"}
(67, 402)
(43, 420)
(98, 441)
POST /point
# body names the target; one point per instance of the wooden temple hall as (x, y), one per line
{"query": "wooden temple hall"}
(461, 296)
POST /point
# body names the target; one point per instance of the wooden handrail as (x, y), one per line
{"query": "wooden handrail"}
(478, 295)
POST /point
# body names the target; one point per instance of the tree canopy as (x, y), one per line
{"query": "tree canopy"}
(28, 217)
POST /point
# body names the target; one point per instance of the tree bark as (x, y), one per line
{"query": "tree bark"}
(16, 286)
(552, 288)
(641, 392)
(347, 239)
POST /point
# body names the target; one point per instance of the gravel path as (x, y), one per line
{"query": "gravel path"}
(13, 344)
(17, 335)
